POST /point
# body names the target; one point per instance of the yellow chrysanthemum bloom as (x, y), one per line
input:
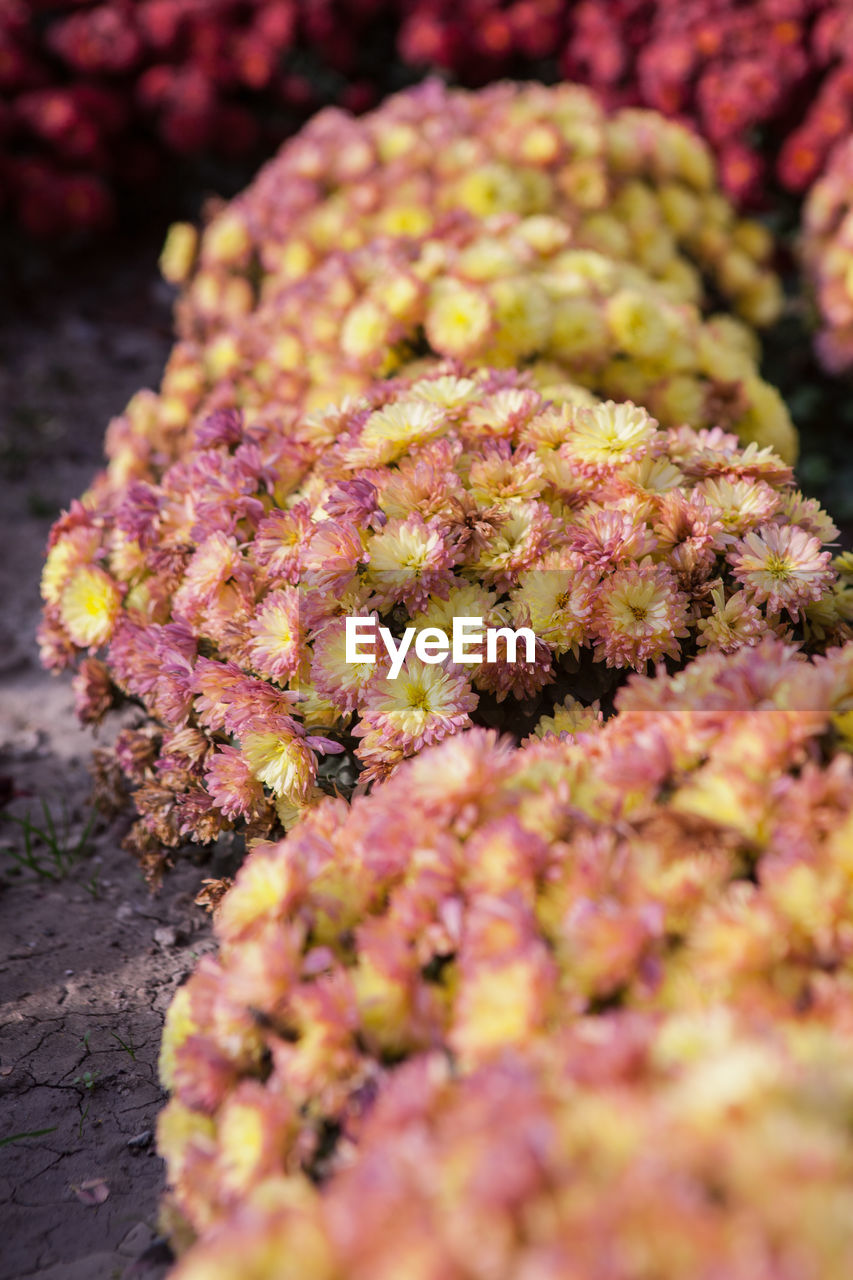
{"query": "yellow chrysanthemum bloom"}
(493, 188)
(681, 207)
(227, 240)
(405, 220)
(497, 1006)
(635, 322)
(448, 392)
(761, 303)
(579, 331)
(468, 601)
(612, 432)
(179, 251)
(180, 1129)
(400, 551)
(545, 234)
(682, 398)
(422, 704)
(458, 319)
(265, 884)
(89, 605)
(523, 318)
(178, 1027)
(61, 558)
(391, 431)
(365, 330)
(285, 765)
(767, 421)
(383, 1005)
(221, 357)
(556, 606)
(487, 259)
(569, 716)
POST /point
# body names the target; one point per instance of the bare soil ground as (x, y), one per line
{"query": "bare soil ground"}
(88, 958)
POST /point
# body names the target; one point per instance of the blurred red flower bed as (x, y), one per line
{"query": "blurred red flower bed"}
(95, 97)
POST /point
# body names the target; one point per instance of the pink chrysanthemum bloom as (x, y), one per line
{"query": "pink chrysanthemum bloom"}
(331, 556)
(232, 785)
(522, 534)
(426, 484)
(605, 537)
(522, 678)
(639, 616)
(216, 561)
(343, 682)
(409, 562)
(275, 647)
(503, 474)
(93, 692)
(228, 699)
(280, 541)
(782, 567)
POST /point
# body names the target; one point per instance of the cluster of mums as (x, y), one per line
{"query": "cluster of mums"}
(550, 976)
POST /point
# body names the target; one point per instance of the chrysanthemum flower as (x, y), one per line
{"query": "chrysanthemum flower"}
(781, 566)
(331, 556)
(275, 647)
(391, 431)
(556, 600)
(69, 549)
(569, 716)
(520, 537)
(89, 605)
(423, 704)
(409, 561)
(459, 319)
(612, 433)
(639, 616)
(342, 682)
(731, 623)
(281, 761)
(279, 541)
(231, 783)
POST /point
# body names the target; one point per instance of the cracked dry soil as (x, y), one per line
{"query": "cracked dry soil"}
(88, 960)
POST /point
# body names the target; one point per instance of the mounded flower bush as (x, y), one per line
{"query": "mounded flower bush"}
(626, 182)
(642, 893)
(218, 598)
(684, 1148)
(629, 184)
(508, 291)
(520, 225)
